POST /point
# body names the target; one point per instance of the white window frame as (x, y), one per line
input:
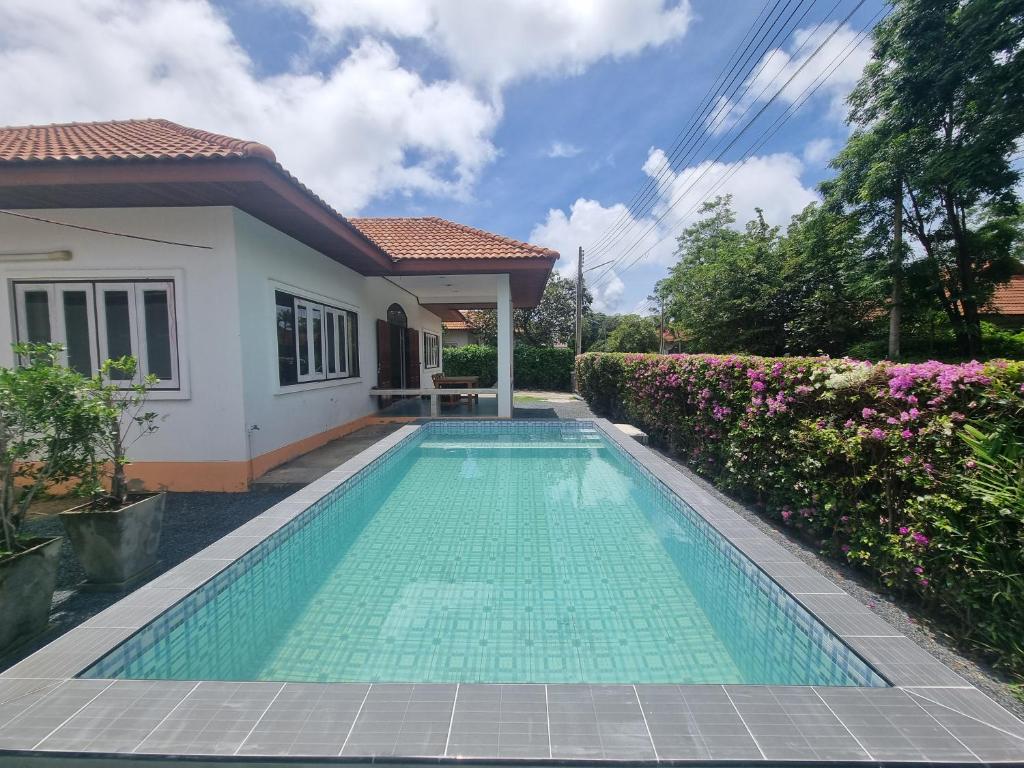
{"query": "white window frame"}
(338, 320)
(342, 318)
(172, 329)
(96, 310)
(431, 361)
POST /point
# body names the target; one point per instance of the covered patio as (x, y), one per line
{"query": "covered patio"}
(446, 267)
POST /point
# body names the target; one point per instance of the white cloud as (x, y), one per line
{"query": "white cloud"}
(366, 128)
(819, 151)
(771, 182)
(583, 225)
(560, 149)
(495, 42)
(778, 65)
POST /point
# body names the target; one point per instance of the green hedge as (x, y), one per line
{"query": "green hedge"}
(535, 367)
(869, 462)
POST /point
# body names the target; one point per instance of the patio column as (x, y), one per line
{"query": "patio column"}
(504, 348)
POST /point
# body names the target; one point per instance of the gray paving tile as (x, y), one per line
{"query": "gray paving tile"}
(500, 721)
(214, 719)
(793, 723)
(407, 720)
(307, 719)
(904, 662)
(189, 574)
(119, 718)
(231, 547)
(70, 653)
(890, 725)
(136, 609)
(37, 720)
(597, 721)
(847, 617)
(988, 730)
(16, 696)
(799, 579)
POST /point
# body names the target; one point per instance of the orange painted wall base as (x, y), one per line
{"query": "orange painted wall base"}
(234, 476)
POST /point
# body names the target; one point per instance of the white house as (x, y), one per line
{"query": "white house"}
(458, 333)
(267, 316)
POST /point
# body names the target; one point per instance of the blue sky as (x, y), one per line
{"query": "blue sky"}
(524, 117)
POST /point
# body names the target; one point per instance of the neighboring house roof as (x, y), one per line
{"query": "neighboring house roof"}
(457, 325)
(430, 237)
(121, 140)
(154, 163)
(1008, 298)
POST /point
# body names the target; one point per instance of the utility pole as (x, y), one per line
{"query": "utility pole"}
(579, 303)
(579, 312)
(896, 307)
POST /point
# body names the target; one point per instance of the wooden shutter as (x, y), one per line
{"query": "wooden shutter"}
(412, 358)
(384, 373)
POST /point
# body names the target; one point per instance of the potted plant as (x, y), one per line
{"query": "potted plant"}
(116, 535)
(47, 427)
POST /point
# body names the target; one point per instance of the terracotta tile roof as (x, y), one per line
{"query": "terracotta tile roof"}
(1008, 298)
(457, 325)
(151, 139)
(429, 237)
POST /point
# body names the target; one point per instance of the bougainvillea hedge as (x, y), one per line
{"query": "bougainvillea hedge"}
(865, 460)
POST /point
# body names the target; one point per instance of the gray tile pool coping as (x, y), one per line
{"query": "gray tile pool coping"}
(928, 715)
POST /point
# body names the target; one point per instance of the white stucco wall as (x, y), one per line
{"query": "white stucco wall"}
(205, 420)
(269, 260)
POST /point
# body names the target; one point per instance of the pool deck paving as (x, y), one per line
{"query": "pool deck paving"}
(930, 714)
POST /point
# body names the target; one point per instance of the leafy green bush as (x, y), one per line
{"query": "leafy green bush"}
(868, 461)
(535, 367)
(919, 345)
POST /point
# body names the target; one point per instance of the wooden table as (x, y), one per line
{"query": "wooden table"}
(455, 382)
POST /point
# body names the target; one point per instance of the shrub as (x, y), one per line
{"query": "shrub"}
(48, 426)
(867, 461)
(535, 367)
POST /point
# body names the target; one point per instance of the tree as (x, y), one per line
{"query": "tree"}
(831, 291)
(938, 113)
(552, 321)
(633, 334)
(725, 291)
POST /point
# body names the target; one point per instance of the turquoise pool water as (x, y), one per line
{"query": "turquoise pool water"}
(539, 553)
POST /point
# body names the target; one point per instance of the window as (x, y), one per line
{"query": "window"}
(431, 350)
(98, 321)
(315, 341)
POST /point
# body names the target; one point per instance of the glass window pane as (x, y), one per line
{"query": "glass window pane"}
(286, 362)
(302, 340)
(76, 331)
(342, 345)
(353, 343)
(316, 316)
(37, 317)
(158, 333)
(332, 360)
(119, 335)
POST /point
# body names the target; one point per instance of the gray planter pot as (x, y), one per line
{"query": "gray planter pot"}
(27, 581)
(117, 546)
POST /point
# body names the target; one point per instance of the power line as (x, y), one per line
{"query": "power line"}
(728, 74)
(765, 136)
(104, 231)
(731, 143)
(738, 100)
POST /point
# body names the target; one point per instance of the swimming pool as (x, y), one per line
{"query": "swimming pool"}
(493, 552)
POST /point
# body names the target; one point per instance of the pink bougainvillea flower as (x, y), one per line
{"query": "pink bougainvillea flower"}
(970, 463)
(904, 530)
(877, 434)
(845, 548)
(918, 570)
(907, 460)
(920, 538)
(867, 413)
